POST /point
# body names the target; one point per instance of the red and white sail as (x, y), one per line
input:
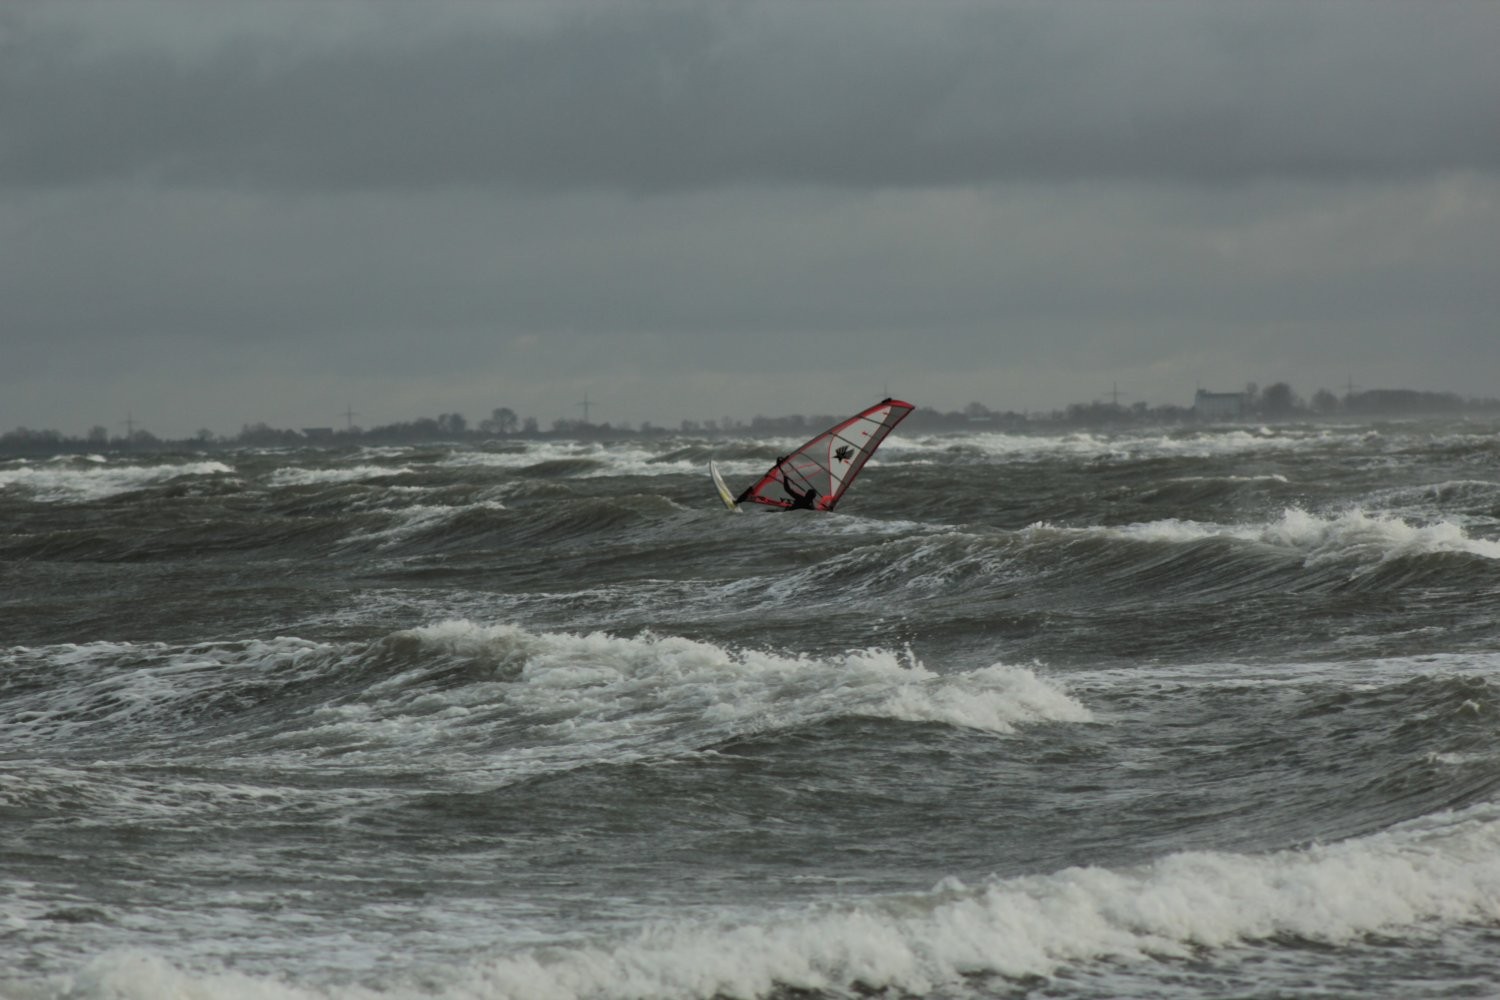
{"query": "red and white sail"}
(828, 463)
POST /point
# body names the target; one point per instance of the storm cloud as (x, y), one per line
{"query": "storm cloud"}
(447, 205)
(661, 98)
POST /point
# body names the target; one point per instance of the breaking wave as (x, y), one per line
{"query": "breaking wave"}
(71, 482)
(295, 476)
(1318, 538)
(555, 698)
(1442, 869)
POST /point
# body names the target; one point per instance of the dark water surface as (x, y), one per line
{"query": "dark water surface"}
(1151, 714)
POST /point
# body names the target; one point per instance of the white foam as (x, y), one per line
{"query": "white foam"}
(1440, 871)
(88, 691)
(600, 686)
(1270, 477)
(1146, 443)
(1320, 538)
(564, 700)
(293, 476)
(994, 699)
(98, 794)
(1445, 869)
(616, 458)
(138, 975)
(1195, 442)
(1353, 675)
(560, 700)
(1371, 536)
(96, 459)
(418, 518)
(64, 483)
(525, 454)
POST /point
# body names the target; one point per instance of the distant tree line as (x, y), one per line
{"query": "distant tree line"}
(1275, 402)
(1279, 401)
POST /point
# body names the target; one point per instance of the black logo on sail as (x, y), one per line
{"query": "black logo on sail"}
(843, 453)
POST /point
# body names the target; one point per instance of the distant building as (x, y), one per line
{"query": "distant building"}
(317, 433)
(1219, 405)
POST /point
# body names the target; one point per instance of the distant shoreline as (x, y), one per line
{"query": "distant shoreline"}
(25, 443)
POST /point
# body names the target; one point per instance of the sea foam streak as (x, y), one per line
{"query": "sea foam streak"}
(293, 476)
(604, 459)
(416, 519)
(1320, 538)
(95, 481)
(1129, 445)
(1438, 871)
(1444, 868)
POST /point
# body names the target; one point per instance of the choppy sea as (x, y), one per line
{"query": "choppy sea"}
(1156, 713)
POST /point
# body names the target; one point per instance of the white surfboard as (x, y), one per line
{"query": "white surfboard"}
(724, 494)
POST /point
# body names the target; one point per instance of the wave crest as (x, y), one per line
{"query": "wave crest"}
(1444, 868)
(64, 483)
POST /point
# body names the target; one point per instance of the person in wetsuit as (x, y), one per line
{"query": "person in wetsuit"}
(800, 501)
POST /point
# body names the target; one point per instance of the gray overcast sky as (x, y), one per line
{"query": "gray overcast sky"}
(214, 213)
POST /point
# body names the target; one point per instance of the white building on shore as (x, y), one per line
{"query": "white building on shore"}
(1219, 405)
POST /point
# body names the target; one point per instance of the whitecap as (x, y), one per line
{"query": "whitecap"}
(55, 483)
(1319, 538)
(1443, 870)
(294, 476)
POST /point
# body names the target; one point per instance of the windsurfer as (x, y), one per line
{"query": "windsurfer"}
(815, 476)
(800, 501)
